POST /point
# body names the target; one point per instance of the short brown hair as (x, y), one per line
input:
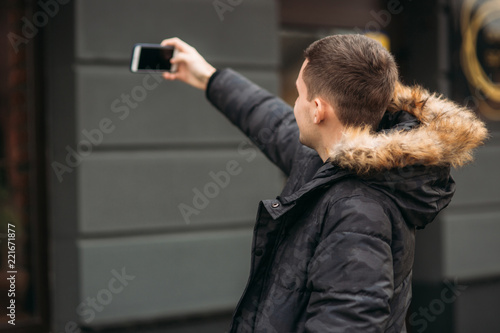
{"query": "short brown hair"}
(354, 73)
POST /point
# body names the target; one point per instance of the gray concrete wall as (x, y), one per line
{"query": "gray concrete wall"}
(122, 251)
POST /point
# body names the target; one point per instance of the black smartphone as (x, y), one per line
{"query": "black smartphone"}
(152, 58)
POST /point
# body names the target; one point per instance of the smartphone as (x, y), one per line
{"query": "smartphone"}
(148, 58)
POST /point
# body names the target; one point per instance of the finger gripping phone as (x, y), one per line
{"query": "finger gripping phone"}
(148, 58)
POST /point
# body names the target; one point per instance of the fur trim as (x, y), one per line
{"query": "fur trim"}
(447, 136)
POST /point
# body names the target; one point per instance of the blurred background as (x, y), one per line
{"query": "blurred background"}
(110, 178)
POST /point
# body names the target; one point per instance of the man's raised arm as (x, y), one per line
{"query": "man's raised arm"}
(264, 118)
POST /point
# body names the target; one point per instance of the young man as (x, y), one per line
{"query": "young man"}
(368, 162)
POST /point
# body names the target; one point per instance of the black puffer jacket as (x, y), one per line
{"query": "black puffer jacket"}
(334, 252)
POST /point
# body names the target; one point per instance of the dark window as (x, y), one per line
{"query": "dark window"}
(23, 231)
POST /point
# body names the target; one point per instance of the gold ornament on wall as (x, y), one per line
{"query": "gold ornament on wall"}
(480, 21)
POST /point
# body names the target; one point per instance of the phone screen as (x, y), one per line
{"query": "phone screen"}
(152, 58)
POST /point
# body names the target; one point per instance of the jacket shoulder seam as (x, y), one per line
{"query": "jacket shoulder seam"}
(356, 294)
(362, 234)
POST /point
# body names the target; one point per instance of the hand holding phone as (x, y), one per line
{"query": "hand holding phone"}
(152, 58)
(192, 68)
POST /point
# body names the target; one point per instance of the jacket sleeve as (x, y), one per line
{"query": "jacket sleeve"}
(264, 118)
(351, 273)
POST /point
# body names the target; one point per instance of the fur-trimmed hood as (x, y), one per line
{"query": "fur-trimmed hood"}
(445, 135)
(409, 157)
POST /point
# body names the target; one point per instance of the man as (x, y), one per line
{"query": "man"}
(368, 162)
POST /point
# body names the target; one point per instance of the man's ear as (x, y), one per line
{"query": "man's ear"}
(320, 108)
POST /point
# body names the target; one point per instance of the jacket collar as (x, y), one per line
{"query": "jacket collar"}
(324, 177)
